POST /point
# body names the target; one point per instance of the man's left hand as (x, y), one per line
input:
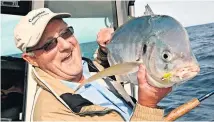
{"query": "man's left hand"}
(104, 37)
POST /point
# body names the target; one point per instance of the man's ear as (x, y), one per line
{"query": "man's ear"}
(30, 59)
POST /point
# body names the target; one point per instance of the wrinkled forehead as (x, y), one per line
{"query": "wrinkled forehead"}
(55, 23)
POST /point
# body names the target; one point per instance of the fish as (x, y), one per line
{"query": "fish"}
(160, 43)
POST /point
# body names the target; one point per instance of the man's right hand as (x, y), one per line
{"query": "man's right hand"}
(148, 95)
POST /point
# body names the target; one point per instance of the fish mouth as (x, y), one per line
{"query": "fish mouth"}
(178, 76)
(185, 73)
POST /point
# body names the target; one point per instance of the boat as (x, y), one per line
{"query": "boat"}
(16, 71)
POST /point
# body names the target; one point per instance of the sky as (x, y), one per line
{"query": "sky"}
(187, 12)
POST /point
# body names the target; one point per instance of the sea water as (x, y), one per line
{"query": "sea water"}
(202, 43)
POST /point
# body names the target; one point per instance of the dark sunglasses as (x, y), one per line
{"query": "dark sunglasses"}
(50, 44)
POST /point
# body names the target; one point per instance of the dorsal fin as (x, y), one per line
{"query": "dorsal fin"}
(148, 11)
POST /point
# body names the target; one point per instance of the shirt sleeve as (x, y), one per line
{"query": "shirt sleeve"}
(145, 113)
(101, 58)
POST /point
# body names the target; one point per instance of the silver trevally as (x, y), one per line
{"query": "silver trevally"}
(160, 43)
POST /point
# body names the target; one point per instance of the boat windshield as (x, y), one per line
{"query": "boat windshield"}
(88, 17)
(8, 23)
(86, 30)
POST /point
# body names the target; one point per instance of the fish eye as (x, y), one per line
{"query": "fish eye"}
(166, 56)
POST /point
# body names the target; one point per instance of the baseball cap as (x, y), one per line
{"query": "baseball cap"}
(30, 28)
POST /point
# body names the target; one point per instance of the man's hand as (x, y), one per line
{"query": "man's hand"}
(104, 37)
(148, 95)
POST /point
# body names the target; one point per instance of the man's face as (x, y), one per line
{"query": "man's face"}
(64, 61)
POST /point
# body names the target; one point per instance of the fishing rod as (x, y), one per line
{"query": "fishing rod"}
(185, 108)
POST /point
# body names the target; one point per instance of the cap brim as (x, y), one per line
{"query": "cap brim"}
(62, 15)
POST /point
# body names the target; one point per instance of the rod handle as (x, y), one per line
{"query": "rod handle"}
(181, 110)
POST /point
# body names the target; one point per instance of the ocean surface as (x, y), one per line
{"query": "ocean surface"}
(202, 43)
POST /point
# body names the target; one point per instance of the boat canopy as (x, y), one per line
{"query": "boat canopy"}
(115, 11)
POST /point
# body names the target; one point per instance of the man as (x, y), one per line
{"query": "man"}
(50, 46)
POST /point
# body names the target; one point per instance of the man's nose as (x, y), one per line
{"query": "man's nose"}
(63, 44)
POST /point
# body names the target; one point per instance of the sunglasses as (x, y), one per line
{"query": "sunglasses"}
(50, 44)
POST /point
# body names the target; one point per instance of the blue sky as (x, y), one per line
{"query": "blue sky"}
(187, 12)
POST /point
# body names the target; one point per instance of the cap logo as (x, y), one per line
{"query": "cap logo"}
(36, 17)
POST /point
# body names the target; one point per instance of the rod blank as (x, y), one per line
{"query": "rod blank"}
(185, 108)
